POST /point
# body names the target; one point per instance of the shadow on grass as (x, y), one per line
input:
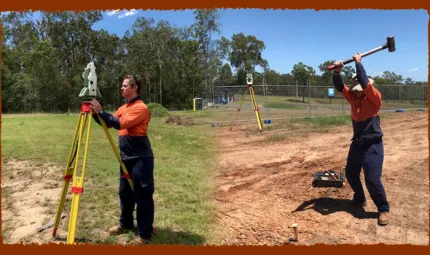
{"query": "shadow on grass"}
(172, 237)
(322, 102)
(300, 101)
(326, 206)
(162, 236)
(168, 236)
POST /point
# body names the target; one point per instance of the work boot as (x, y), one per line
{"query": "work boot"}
(140, 241)
(360, 204)
(383, 218)
(117, 230)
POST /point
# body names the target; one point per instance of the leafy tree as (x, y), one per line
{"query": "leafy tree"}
(392, 77)
(303, 73)
(225, 75)
(409, 81)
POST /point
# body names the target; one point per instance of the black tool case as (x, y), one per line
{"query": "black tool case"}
(328, 178)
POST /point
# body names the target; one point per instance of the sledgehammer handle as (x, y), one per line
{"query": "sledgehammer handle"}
(331, 67)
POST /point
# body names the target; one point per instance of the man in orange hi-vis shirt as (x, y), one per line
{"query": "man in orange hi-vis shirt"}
(131, 120)
(367, 149)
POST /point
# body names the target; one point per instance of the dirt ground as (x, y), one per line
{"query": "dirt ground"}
(30, 193)
(266, 187)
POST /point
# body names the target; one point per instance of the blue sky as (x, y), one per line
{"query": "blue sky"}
(312, 37)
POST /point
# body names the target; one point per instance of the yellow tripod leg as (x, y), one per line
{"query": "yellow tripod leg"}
(116, 151)
(67, 177)
(78, 182)
(256, 110)
(238, 110)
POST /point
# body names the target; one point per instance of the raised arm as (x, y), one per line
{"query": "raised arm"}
(367, 84)
(338, 82)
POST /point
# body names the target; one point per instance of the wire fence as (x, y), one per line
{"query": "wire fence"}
(277, 102)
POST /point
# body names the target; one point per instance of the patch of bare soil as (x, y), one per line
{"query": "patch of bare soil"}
(30, 194)
(178, 120)
(264, 188)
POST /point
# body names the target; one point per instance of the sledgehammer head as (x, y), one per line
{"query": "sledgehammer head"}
(391, 45)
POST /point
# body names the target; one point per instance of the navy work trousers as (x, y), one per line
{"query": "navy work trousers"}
(370, 157)
(141, 172)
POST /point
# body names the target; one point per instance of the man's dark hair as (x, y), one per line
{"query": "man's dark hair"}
(134, 80)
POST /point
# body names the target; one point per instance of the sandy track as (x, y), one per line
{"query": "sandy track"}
(265, 188)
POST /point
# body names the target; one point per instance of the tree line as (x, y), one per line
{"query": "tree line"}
(43, 60)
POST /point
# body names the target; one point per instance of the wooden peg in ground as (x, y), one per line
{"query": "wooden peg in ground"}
(295, 227)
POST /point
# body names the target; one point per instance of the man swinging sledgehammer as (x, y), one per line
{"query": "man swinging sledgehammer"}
(367, 149)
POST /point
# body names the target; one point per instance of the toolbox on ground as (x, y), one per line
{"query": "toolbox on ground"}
(328, 178)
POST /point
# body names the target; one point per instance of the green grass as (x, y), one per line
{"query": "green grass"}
(325, 122)
(310, 124)
(194, 114)
(183, 213)
(281, 101)
(282, 105)
(305, 126)
(326, 101)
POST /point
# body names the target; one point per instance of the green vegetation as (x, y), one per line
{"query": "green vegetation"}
(157, 110)
(179, 63)
(282, 106)
(183, 164)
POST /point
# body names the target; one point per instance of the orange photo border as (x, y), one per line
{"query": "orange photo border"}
(80, 5)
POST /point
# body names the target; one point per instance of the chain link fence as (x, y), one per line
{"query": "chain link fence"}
(276, 102)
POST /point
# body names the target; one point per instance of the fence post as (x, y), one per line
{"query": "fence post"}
(309, 98)
(265, 95)
(400, 97)
(343, 101)
(297, 89)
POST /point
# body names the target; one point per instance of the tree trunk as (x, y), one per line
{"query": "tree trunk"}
(149, 84)
(161, 89)
(303, 92)
(118, 92)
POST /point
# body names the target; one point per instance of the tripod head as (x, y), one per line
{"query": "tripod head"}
(89, 78)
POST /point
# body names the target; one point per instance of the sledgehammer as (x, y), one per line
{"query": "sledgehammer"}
(390, 45)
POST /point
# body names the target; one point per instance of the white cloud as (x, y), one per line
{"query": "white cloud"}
(377, 73)
(413, 69)
(129, 13)
(111, 13)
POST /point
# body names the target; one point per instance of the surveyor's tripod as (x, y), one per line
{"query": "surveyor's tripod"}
(71, 171)
(255, 106)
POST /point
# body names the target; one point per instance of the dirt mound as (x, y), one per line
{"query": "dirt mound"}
(264, 188)
(178, 120)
